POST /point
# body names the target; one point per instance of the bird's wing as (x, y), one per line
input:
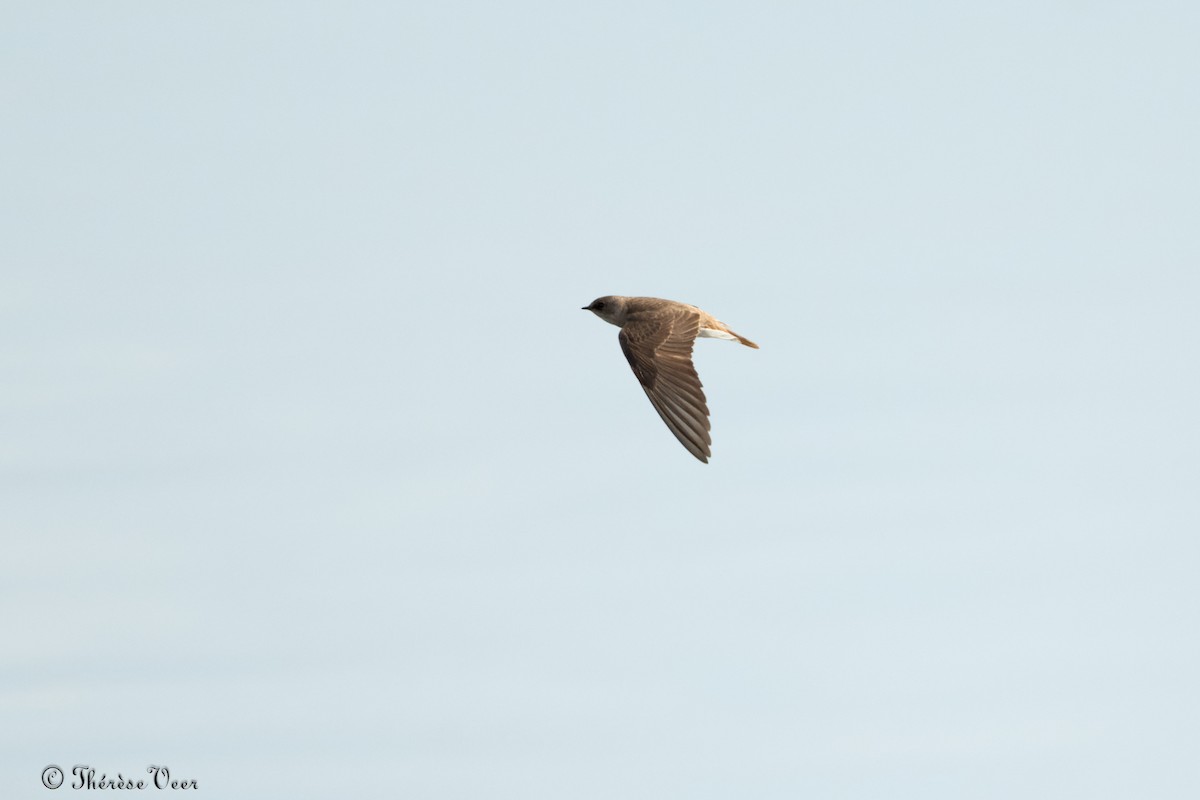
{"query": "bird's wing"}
(660, 351)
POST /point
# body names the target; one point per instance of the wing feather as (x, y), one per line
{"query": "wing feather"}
(659, 350)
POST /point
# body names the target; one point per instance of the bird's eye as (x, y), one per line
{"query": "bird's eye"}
(599, 306)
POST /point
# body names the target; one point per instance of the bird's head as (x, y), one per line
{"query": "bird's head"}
(610, 309)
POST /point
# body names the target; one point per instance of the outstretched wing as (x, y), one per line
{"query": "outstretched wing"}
(660, 351)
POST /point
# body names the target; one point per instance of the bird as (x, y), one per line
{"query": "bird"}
(657, 337)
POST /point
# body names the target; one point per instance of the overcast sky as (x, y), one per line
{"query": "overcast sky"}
(317, 482)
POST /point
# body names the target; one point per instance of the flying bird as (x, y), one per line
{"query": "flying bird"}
(657, 337)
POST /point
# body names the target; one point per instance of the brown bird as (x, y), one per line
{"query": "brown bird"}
(657, 338)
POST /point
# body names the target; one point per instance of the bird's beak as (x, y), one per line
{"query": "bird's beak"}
(585, 308)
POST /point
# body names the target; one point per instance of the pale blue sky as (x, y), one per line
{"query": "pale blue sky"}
(317, 482)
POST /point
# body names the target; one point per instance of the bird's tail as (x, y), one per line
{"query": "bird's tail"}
(744, 340)
(716, 329)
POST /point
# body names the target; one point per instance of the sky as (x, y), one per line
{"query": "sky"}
(316, 481)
